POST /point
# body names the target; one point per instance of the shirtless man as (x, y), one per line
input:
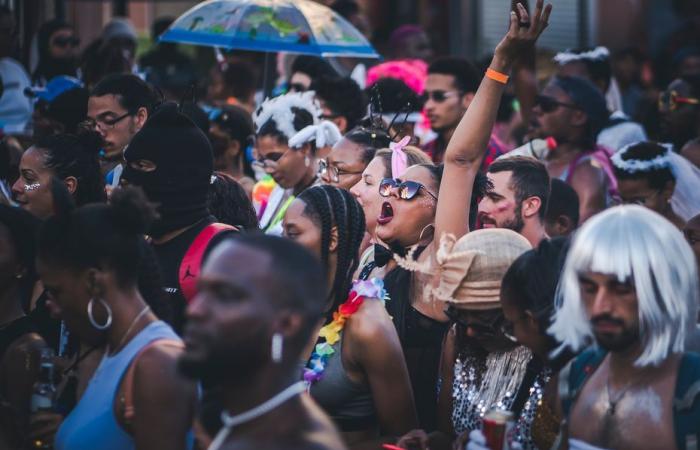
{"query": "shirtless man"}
(630, 283)
(258, 305)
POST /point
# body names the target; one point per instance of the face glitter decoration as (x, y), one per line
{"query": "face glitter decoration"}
(31, 187)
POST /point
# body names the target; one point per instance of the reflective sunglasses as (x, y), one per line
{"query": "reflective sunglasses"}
(438, 96)
(334, 173)
(670, 100)
(407, 189)
(548, 104)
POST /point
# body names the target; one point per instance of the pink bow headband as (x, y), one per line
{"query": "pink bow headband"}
(399, 160)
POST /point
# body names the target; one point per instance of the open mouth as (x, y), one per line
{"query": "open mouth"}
(386, 215)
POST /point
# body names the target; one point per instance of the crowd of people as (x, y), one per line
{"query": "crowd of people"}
(377, 255)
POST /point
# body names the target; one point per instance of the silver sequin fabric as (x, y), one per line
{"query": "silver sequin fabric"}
(468, 409)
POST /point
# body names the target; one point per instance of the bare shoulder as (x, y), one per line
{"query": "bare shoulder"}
(156, 369)
(371, 321)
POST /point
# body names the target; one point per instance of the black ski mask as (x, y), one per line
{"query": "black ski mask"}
(184, 165)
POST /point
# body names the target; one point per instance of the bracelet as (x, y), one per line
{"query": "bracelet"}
(497, 76)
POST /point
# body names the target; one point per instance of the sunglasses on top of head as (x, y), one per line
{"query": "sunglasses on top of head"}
(407, 189)
(548, 104)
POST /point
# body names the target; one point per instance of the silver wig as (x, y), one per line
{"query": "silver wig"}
(632, 243)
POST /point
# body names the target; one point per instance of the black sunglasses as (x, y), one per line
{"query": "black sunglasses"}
(438, 96)
(297, 87)
(407, 189)
(498, 324)
(548, 104)
(66, 41)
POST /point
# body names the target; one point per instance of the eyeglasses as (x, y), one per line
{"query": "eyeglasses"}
(66, 41)
(669, 101)
(438, 96)
(104, 124)
(334, 173)
(548, 104)
(407, 189)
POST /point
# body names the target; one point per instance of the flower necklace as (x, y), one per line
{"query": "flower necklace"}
(361, 289)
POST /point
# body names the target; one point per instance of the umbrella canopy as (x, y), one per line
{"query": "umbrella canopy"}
(295, 26)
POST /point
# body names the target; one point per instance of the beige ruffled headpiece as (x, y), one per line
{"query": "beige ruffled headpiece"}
(471, 269)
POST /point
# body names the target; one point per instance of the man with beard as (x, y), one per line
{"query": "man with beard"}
(118, 107)
(260, 300)
(572, 111)
(679, 106)
(516, 197)
(629, 284)
(171, 160)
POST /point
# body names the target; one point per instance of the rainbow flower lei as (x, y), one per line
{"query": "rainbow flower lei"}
(361, 289)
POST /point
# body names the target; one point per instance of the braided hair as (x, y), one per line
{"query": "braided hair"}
(329, 206)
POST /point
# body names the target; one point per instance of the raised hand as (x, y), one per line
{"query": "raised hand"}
(523, 32)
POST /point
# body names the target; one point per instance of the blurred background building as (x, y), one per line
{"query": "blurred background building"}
(461, 27)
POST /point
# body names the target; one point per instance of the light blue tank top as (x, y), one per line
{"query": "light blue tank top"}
(92, 423)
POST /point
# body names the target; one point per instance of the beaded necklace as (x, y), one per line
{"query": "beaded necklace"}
(330, 333)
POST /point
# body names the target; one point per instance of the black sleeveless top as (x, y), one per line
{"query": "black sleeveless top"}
(421, 340)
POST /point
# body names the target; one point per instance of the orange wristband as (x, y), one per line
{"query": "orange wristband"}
(497, 76)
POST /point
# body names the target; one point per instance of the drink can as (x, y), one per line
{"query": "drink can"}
(497, 425)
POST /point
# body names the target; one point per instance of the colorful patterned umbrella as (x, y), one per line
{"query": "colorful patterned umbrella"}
(295, 26)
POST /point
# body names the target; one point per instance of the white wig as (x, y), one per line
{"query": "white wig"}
(279, 110)
(636, 244)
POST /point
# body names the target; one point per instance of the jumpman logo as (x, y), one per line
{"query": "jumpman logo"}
(188, 274)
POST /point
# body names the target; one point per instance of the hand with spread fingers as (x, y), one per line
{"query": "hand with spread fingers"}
(522, 34)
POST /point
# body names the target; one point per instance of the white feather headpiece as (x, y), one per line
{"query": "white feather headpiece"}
(279, 110)
(324, 133)
(568, 56)
(662, 161)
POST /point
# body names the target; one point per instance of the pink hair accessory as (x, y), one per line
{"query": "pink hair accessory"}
(399, 160)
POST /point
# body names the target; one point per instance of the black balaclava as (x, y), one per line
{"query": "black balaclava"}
(49, 67)
(184, 165)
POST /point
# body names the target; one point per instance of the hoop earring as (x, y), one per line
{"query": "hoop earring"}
(94, 323)
(276, 351)
(420, 236)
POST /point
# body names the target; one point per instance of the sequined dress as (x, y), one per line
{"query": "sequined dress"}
(476, 389)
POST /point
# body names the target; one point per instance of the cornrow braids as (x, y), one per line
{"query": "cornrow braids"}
(330, 206)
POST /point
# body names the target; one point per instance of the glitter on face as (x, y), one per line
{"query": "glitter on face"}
(31, 187)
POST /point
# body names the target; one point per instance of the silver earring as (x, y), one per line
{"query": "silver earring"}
(307, 161)
(276, 351)
(94, 323)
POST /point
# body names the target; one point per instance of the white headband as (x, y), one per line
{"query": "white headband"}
(635, 165)
(325, 133)
(597, 53)
(279, 110)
